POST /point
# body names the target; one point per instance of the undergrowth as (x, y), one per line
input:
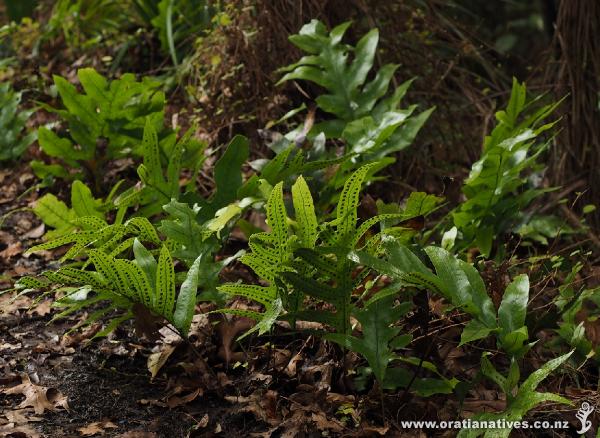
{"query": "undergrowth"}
(152, 248)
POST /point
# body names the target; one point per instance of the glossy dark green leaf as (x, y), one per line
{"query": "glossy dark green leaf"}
(186, 299)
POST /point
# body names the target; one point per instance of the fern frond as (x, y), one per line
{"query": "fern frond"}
(164, 300)
(261, 294)
(347, 216)
(143, 228)
(306, 217)
(277, 217)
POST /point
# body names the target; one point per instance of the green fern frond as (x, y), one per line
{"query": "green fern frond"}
(277, 218)
(164, 300)
(347, 206)
(306, 218)
(261, 294)
(143, 228)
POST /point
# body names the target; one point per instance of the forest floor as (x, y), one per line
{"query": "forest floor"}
(56, 380)
(63, 384)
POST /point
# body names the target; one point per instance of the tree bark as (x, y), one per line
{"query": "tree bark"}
(577, 73)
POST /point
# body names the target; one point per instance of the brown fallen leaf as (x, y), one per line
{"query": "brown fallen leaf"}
(318, 375)
(158, 359)
(203, 422)
(228, 330)
(79, 337)
(35, 233)
(36, 396)
(25, 176)
(19, 416)
(9, 430)
(11, 247)
(147, 323)
(260, 403)
(43, 308)
(9, 193)
(290, 369)
(7, 346)
(10, 303)
(374, 430)
(174, 401)
(11, 250)
(266, 379)
(96, 428)
(137, 434)
(339, 399)
(280, 358)
(55, 397)
(324, 423)
(145, 401)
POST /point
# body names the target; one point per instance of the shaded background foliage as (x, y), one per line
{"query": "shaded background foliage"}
(464, 54)
(220, 76)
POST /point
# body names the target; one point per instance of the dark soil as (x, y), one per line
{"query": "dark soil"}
(108, 387)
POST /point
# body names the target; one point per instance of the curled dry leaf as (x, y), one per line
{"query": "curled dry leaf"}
(37, 396)
(9, 303)
(42, 308)
(55, 397)
(20, 416)
(157, 360)
(10, 430)
(137, 434)
(260, 403)
(174, 401)
(228, 331)
(10, 251)
(35, 233)
(281, 357)
(203, 422)
(96, 428)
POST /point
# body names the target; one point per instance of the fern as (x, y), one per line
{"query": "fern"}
(461, 285)
(380, 338)
(293, 161)
(300, 258)
(15, 137)
(114, 110)
(160, 184)
(518, 405)
(269, 254)
(497, 188)
(122, 284)
(89, 233)
(370, 122)
(367, 119)
(106, 121)
(63, 219)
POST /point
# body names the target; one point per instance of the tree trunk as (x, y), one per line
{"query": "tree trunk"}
(577, 73)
